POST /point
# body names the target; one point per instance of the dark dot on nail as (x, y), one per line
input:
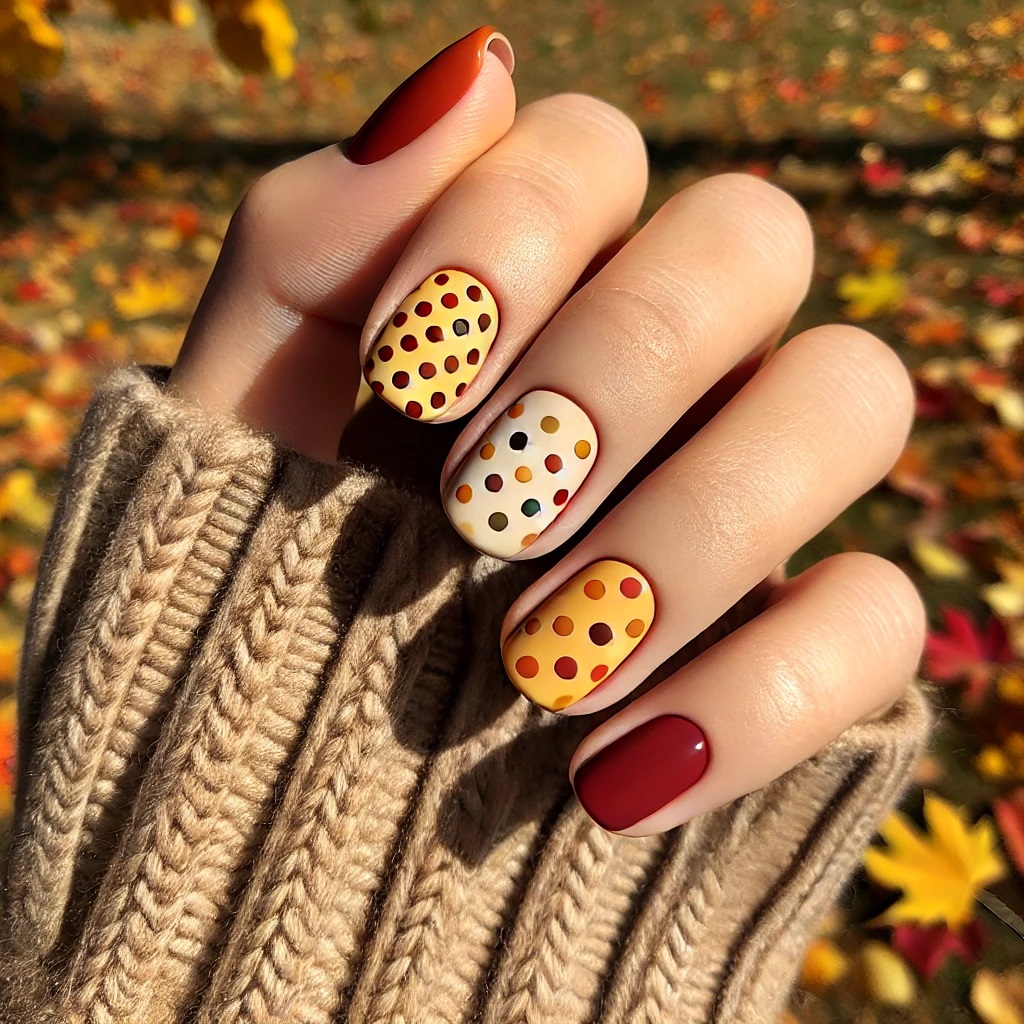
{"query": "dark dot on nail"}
(461, 327)
(473, 357)
(369, 366)
(531, 627)
(449, 300)
(400, 319)
(517, 442)
(473, 291)
(531, 507)
(385, 352)
(451, 363)
(598, 673)
(565, 668)
(400, 379)
(437, 399)
(527, 666)
(561, 496)
(493, 482)
(553, 464)
(631, 587)
(459, 390)
(600, 633)
(427, 370)
(413, 409)
(484, 321)
(424, 309)
(441, 279)
(409, 343)
(497, 521)
(378, 387)
(434, 333)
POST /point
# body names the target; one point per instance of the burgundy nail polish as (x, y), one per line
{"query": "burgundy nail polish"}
(642, 771)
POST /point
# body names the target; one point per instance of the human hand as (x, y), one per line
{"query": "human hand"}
(628, 428)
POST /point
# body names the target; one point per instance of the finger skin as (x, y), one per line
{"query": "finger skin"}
(821, 423)
(842, 641)
(306, 252)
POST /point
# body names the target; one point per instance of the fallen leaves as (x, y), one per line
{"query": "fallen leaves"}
(871, 295)
(964, 654)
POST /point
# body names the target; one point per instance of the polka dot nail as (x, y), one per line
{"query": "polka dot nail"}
(522, 473)
(580, 635)
(434, 345)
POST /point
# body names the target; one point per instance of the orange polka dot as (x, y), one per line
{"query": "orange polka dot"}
(594, 589)
(524, 474)
(487, 452)
(582, 449)
(553, 464)
(528, 540)
(635, 628)
(531, 627)
(562, 702)
(464, 493)
(516, 411)
(598, 673)
(549, 424)
(527, 667)
(562, 625)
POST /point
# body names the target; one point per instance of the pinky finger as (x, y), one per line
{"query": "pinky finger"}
(839, 644)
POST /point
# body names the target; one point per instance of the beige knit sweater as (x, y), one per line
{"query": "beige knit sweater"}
(272, 772)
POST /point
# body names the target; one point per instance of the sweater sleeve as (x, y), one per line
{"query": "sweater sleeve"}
(272, 772)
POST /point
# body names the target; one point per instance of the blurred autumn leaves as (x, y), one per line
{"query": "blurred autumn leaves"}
(254, 35)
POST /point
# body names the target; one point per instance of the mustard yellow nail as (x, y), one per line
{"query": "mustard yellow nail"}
(434, 344)
(580, 635)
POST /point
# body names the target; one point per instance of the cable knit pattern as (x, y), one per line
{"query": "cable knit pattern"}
(272, 773)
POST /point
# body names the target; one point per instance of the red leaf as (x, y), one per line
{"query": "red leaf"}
(1009, 812)
(928, 948)
(965, 655)
(29, 291)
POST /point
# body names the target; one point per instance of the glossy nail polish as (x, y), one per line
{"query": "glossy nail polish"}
(434, 344)
(424, 98)
(521, 474)
(642, 771)
(579, 636)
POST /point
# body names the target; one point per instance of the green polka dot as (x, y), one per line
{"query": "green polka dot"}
(497, 521)
(531, 507)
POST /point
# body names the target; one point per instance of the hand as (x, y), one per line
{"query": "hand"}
(626, 422)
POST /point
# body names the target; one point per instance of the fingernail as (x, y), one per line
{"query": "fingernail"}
(434, 344)
(521, 474)
(642, 771)
(426, 96)
(580, 635)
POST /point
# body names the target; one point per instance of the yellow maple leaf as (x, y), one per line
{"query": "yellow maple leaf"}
(150, 296)
(877, 293)
(256, 35)
(940, 871)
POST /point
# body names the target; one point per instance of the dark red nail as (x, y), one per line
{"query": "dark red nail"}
(423, 98)
(642, 771)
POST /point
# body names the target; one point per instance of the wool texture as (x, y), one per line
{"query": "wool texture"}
(271, 772)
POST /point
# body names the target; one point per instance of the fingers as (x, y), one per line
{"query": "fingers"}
(822, 422)
(276, 333)
(841, 642)
(715, 275)
(498, 253)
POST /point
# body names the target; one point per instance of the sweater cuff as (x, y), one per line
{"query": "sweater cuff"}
(272, 772)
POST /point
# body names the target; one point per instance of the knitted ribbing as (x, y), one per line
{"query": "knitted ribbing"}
(272, 771)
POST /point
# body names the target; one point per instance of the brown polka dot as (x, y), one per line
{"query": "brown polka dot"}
(434, 333)
(400, 379)
(378, 387)
(562, 625)
(473, 357)
(451, 363)
(427, 370)
(483, 321)
(437, 399)
(474, 293)
(400, 319)
(487, 452)
(549, 424)
(464, 493)
(635, 628)
(424, 308)
(449, 300)
(553, 464)
(562, 702)
(409, 343)
(441, 279)
(598, 673)
(631, 587)
(582, 449)
(385, 352)
(413, 409)
(516, 411)
(524, 474)
(594, 589)
(600, 633)
(531, 627)
(528, 540)
(527, 667)
(493, 483)
(566, 668)
(497, 521)
(561, 496)
(459, 389)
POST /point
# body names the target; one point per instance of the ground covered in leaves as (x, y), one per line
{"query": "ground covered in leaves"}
(106, 241)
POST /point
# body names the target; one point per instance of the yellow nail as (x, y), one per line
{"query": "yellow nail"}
(580, 635)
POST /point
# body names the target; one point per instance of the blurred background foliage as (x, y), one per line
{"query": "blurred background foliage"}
(132, 128)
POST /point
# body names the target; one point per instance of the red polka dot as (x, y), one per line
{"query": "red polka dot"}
(566, 668)
(400, 319)
(493, 482)
(451, 364)
(561, 496)
(378, 387)
(441, 279)
(473, 357)
(409, 343)
(459, 390)
(385, 352)
(437, 399)
(631, 587)
(427, 370)
(369, 366)
(598, 673)
(434, 333)
(527, 667)
(553, 464)
(449, 300)
(400, 379)
(474, 293)
(424, 309)
(484, 321)
(414, 409)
